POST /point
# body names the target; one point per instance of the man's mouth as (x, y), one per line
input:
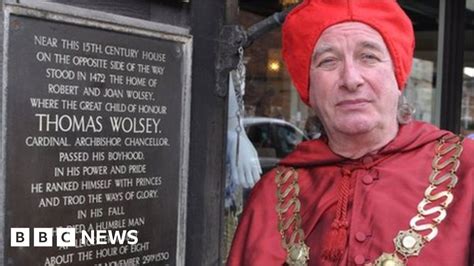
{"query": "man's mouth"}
(353, 103)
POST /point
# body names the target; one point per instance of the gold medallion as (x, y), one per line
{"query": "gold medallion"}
(408, 243)
(388, 259)
(298, 255)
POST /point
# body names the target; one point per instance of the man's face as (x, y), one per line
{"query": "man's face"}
(353, 88)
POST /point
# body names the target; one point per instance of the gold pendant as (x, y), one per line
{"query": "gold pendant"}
(388, 259)
(408, 243)
(298, 255)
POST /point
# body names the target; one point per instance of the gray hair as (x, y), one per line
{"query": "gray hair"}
(405, 111)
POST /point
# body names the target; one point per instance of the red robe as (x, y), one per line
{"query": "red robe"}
(383, 199)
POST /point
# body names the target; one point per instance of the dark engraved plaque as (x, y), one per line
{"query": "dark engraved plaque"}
(94, 138)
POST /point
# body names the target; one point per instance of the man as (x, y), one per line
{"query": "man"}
(372, 191)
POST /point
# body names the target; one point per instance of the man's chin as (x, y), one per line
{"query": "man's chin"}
(355, 127)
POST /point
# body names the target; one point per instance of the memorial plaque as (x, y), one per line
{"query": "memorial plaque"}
(94, 139)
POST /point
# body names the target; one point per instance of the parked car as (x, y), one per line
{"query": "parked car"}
(273, 139)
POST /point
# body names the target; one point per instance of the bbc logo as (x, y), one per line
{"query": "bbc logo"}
(42, 237)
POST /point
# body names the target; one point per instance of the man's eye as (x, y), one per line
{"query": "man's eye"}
(370, 58)
(327, 62)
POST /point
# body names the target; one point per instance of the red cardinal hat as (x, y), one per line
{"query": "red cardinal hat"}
(305, 23)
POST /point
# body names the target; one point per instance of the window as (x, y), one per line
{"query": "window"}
(467, 107)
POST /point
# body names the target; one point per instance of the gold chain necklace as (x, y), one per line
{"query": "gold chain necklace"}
(287, 193)
(442, 179)
(407, 243)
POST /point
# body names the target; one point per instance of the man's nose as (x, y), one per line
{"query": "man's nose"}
(351, 76)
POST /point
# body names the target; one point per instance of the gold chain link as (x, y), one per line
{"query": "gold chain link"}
(288, 202)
